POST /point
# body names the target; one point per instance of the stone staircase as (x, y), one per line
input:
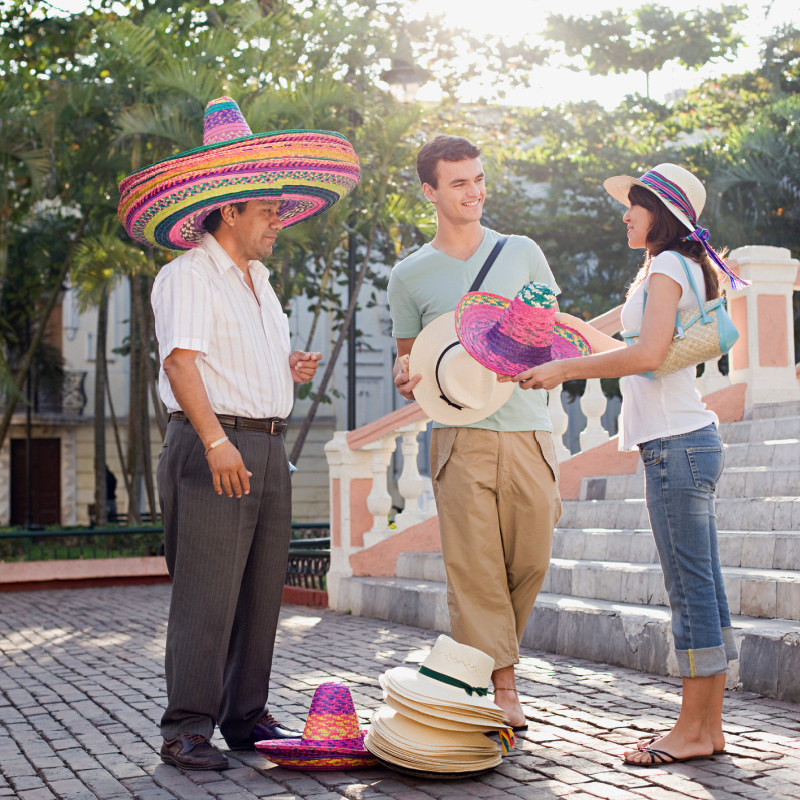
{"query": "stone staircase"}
(604, 598)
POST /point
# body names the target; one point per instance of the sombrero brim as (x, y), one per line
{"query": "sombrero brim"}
(618, 187)
(164, 204)
(433, 339)
(320, 763)
(476, 317)
(297, 748)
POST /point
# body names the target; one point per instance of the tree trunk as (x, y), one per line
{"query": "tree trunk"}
(47, 310)
(343, 333)
(100, 488)
(120, 452)
(134, 410)
(145, 380)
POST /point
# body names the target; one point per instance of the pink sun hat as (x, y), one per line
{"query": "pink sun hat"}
(511, 336)
(331, 738)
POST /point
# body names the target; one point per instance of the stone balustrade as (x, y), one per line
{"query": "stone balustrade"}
(359, 460)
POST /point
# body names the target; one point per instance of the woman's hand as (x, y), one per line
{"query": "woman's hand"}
(546, 376)
(562, 318)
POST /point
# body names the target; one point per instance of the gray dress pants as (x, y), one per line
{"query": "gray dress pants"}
(227, 560)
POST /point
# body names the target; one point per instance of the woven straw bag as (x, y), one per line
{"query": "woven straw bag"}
(702, 333)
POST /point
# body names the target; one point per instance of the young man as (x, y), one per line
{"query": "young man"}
(495, 481)
(226, 379)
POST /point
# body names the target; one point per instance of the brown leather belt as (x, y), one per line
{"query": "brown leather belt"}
(275, 425)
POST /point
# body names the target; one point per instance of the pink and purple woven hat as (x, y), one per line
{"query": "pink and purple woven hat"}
(511, 336)
(308, 171)
(331, 738)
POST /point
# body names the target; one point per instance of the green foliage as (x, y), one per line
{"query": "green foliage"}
(648, 37)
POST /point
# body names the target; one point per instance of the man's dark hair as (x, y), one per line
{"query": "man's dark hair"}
(212, 222)
(443, 148)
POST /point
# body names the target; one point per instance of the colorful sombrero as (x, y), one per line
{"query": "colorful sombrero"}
(510, 336)
(331, 738)
(165, 204)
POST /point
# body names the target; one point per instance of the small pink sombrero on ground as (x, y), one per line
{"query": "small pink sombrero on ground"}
(331, 738)
(510, 336)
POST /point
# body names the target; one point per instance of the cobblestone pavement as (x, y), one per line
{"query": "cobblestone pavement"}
(82, 689)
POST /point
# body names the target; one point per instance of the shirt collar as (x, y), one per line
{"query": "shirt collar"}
(222, 260)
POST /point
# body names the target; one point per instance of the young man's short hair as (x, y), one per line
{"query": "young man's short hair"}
(212, 222)
(443, 148)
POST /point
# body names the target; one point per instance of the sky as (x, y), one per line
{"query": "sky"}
(550, 86)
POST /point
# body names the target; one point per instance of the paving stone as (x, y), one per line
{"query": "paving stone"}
(84, 726)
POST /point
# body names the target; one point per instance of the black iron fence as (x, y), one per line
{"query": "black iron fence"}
(308, 564)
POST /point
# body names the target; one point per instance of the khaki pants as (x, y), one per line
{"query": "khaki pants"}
(498, 502)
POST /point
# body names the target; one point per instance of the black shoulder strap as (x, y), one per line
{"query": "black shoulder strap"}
(487, 265)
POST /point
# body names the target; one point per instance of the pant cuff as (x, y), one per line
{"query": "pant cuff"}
(729, 643)
(702, 663)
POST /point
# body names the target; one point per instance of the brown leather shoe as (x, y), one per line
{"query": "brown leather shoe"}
(192, 751)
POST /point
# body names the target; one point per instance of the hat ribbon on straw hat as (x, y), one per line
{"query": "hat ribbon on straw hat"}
(442, 678)
(672, 193)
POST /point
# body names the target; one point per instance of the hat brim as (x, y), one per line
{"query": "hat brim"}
(439, 776)
(419, 686)
(618, 187)
(438, 718)
(425, 353)
(305, 747)
(474, 319)
(321, 763)
(165, 203)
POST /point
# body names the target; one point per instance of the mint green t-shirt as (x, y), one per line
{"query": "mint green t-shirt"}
(429, 283)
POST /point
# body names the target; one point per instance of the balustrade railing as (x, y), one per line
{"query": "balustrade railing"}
(359, 461)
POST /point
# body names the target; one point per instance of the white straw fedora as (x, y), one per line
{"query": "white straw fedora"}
(455, 389)
(674, 186)
(684, 195)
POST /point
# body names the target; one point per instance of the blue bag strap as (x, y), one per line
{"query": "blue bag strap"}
(703, 313)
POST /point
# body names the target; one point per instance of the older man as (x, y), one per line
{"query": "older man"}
(226, 379)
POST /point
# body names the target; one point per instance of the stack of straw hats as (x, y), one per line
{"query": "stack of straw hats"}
(435, 719)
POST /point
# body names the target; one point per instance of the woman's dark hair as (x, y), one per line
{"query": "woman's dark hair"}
(212, 222)
(666, 233)
(443, 148)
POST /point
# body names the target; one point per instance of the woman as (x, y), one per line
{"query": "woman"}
(677, 438)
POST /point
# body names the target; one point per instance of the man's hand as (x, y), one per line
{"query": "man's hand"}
(403, 381)
(304, 365)
(228, 470)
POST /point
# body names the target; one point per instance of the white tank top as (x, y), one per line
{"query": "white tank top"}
(655, 408)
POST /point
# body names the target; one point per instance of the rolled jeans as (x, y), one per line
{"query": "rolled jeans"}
(681, 474)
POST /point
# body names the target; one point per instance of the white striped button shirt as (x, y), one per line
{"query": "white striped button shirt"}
(201, 302)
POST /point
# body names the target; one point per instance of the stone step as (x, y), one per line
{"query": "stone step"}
(778, 550)
(763, 593)
(756, 481)
(760, 430)
(755, 549)
(771, 410)
(775, 453)
(733, 513)
(629, 635)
